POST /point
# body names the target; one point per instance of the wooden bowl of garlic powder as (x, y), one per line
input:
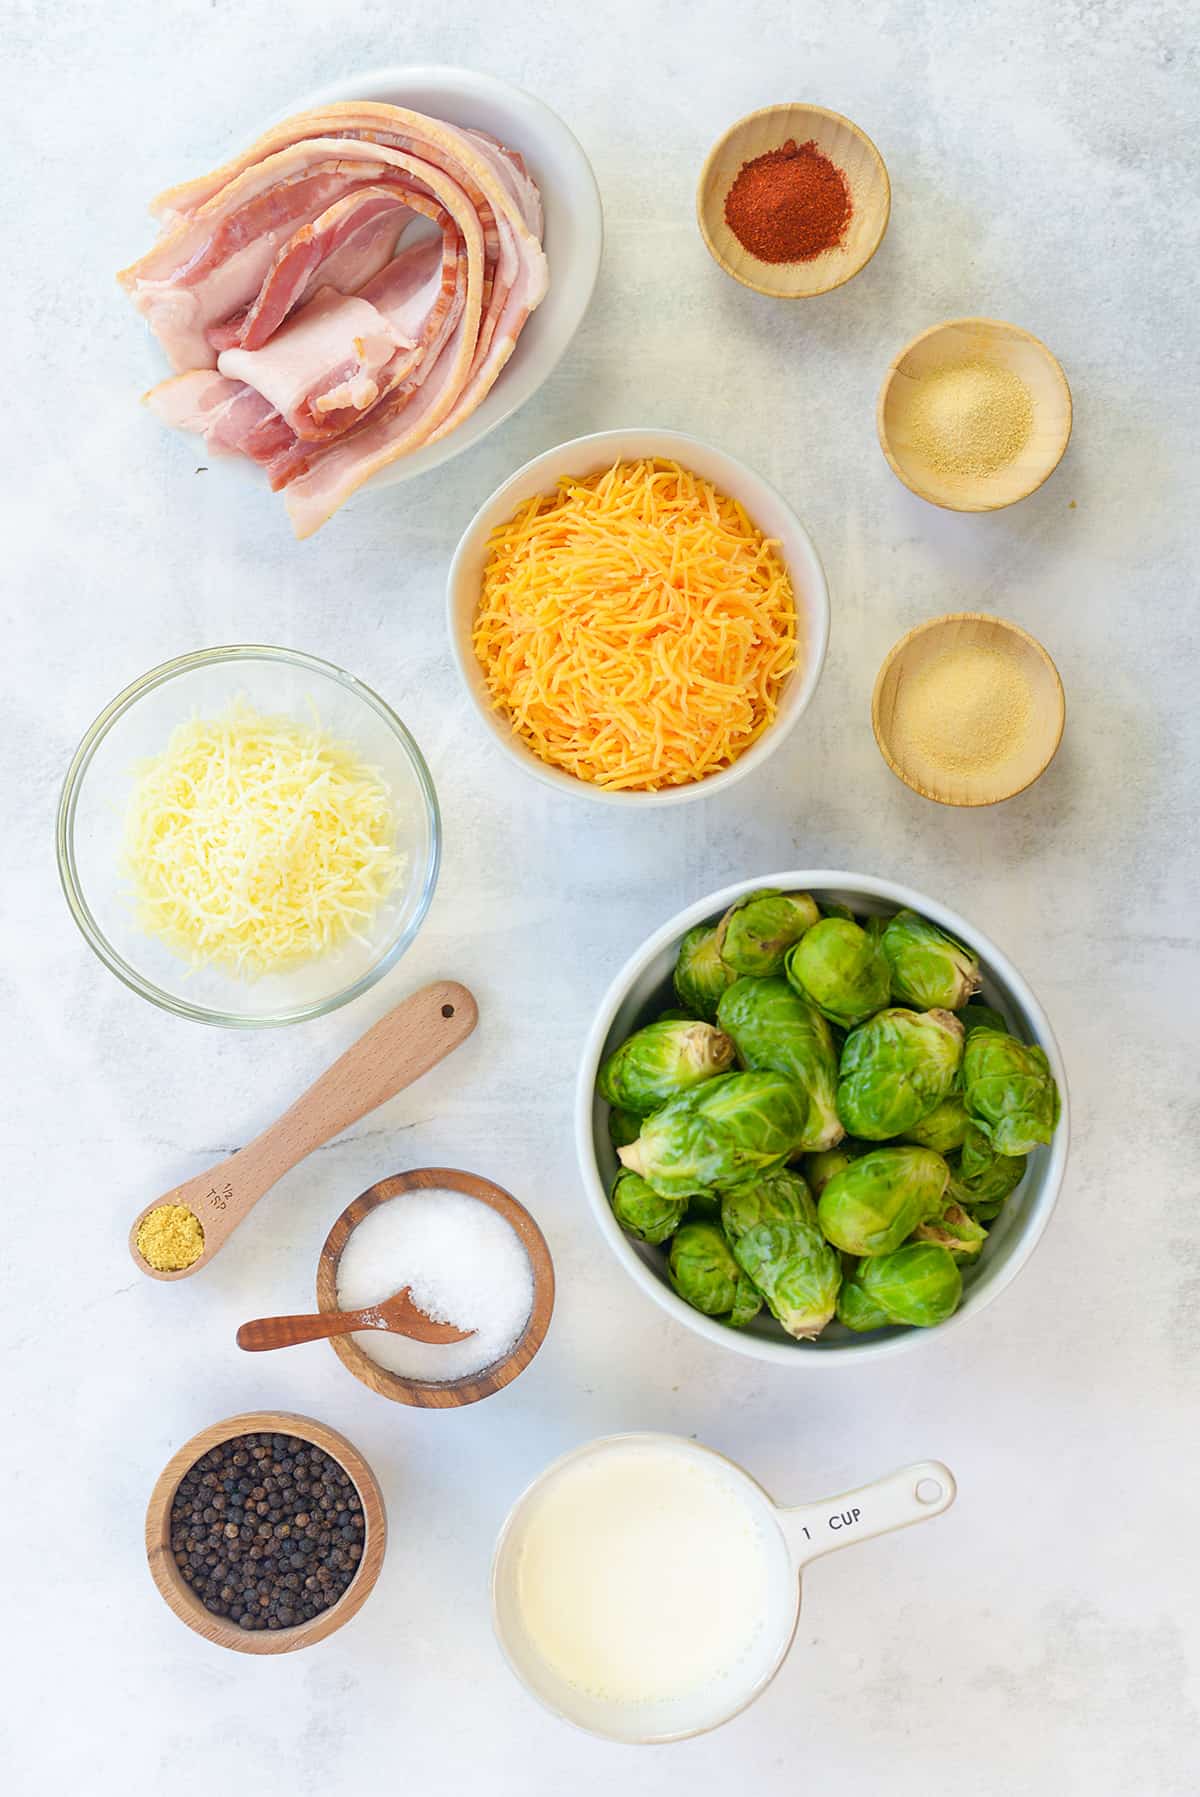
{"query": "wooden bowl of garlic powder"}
(974, 414)
(968, 709)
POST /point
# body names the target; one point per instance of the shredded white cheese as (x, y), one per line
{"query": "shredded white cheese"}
(255, 844)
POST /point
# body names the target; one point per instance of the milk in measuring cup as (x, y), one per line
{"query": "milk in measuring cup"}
(649, 1572)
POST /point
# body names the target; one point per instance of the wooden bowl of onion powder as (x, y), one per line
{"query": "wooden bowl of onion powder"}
(470, 1254)
(968, 709)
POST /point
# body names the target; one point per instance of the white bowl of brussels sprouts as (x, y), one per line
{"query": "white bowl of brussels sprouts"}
(715, 1149)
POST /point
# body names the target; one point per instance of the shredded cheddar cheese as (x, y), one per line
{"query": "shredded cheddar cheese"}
(635, 627)
(255, 844)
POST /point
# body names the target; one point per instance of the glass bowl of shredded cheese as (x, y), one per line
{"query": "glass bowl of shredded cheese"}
(248, 836)
(638, 618)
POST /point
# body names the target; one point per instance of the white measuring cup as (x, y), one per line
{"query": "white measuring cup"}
(790, 1537)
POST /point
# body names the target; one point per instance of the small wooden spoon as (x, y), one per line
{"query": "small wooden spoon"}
(398, 1314)
(406, 1042)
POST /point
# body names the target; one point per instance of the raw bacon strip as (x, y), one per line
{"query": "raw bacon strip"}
(396, 414)
(336, 343)
(361, 256)
(410, 288)
(313, 494)
(336, 357)
(218, 268)
(233, 419)
(512, 171)
(311, 332)
(444, 146)
(182, 291)
(365, 129)
(368, 222)
(234, 416)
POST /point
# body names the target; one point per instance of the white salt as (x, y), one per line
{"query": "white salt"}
(464, 1264)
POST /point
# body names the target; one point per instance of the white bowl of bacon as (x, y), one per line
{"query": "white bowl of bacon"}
(560, 636)
(340, 301)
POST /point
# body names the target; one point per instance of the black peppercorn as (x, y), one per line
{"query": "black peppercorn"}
(237, 1509)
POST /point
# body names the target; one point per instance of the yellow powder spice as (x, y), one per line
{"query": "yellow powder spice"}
(971, 418)
(966, 710)
(170, 1237)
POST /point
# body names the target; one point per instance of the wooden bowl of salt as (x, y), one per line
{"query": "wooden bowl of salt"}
(424, 1374)
(968, 709)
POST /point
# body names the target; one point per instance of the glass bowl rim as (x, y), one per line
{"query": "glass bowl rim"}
(69, 798)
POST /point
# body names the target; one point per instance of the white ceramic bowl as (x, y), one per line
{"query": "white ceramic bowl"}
(643, 988)
(588, 455)
(573, 235)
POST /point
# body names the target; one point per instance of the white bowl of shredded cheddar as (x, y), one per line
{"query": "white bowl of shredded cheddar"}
(638, 617)
(248, 836)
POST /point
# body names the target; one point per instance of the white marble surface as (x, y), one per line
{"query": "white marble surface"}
(1042, 1638)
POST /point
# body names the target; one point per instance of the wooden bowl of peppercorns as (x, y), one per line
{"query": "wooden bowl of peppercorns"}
(266, 1532)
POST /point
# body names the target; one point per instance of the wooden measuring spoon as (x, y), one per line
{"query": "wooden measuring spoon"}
(398, 1314)
(410, 1039)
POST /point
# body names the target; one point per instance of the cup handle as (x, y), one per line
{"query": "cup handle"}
(914, 1494)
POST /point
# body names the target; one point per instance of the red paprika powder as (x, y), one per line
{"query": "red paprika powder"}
(790, 205)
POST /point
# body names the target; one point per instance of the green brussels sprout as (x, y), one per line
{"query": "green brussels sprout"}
(945, 1127)
(954, 1229)
(659, 1062)
(673, 1015)
(623, 1127)
(779, 1197)
(640, 1210)
(841, 969)
(895, 1069)
(919, 1284)
(820, 1168)
(878, 1200)
(978, 1016)
(854, 1308)
(720, 1134)
(700, 974)
(775, 1030)
(930, 970)
(1010, 1091)
(795, 1269)
(705, 1275)
(757, 931)
(747, 1302)
(980, 1178)
(835, 910)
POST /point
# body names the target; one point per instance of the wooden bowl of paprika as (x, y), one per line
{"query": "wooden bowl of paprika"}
(793, 201)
